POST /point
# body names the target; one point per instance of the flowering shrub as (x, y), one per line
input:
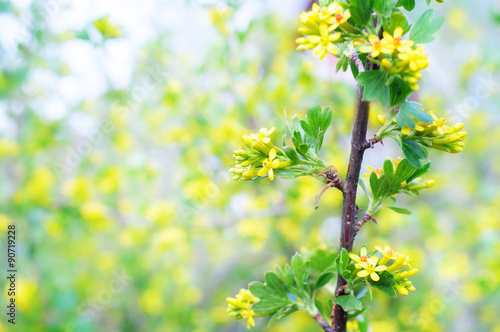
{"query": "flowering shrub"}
(368, 37)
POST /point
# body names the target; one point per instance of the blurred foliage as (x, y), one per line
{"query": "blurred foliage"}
(127, 219)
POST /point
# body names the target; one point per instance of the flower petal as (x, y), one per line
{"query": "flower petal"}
(374, 276)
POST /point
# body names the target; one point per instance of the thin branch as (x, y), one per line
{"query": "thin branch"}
(318, 196)
(323, 323)
(363, 220)
(359, 64)
(333, 180)
(370, 143)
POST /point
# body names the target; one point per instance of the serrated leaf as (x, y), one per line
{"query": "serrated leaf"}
(374, 83)
(349, 302)
(399, 91)
(399, 210)
(270, 299)
(385, 284)
(425, 27)
(409, 110)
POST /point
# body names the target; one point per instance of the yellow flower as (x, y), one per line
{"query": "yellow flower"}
(395, 42)
(377, 171)
(260, 157)
(320, 24)
(376, 47)
(413, 59)
(403, 285)
(239, 306)
(396, 162)
(339, 16)
(368, 266)
(268, 165)
(387, 254)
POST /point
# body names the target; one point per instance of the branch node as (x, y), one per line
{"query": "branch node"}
(333, 180)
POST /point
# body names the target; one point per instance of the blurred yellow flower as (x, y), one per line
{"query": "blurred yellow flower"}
(240, 306)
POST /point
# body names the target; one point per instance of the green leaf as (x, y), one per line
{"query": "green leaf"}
(321, 261)
(323, 279)
(374, 83)
(385, 284)
(361, 11)
(340, 63)
(414, 152)
(272, 295)
(288, 276)
(389, 172)
(399, 210)
(384, 7)
(397, 20)
(399, 91)
(303, 148)
(409, 110)
(419, 172)
(290, 153)
(425, 27)
(349, 302)
(404, 171)
(299, 270)
(363, 186)
(407, 4)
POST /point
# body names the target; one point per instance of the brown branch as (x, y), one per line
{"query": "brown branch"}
(359, 64)
(370, 143)
(323, 323)
(363, 220)
(349, 208)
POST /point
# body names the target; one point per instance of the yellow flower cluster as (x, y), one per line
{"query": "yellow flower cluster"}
(391, 261)
(437, 135)
(239, 306)
(367, 266)
(399, 267)
(260, 157)
(397, 56)
(323, 29)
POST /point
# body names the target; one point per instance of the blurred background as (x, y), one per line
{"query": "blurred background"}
(117, 124)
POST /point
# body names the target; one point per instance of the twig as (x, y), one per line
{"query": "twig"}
(363, 220)
(323, 323)
(359, 64)
(333, 180)
(370, 143)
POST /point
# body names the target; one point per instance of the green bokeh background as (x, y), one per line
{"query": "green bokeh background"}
(115, 144)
